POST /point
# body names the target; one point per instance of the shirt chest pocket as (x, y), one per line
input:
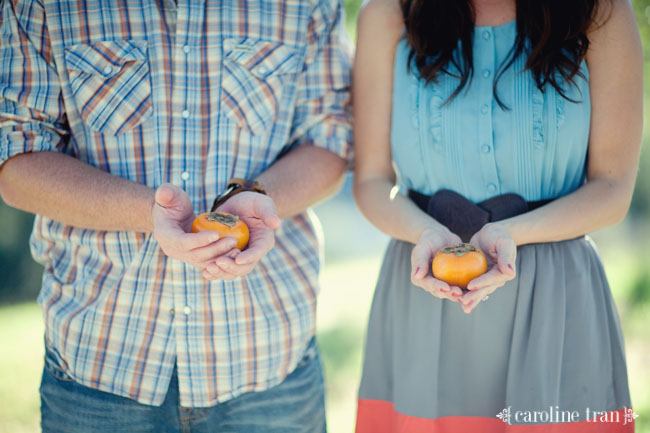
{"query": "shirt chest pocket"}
(110, 82)
(255, 78)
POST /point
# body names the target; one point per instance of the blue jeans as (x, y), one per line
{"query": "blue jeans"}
(294, 406)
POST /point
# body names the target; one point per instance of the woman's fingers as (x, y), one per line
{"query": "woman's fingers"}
(420, 259)
(453, 239)
(472, 298)
(439, 289)
(493, 277)
(456, 293)
(506, 255)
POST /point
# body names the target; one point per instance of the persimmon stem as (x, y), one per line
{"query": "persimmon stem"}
(223, 218)
(459, 250)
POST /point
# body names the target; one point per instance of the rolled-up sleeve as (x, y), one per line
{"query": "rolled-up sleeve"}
(32, 117)
(323, 112)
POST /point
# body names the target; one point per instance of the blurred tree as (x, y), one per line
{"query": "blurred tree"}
(20, 276)
(641, 201)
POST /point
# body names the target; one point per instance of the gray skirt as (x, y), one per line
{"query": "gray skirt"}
(546, 348)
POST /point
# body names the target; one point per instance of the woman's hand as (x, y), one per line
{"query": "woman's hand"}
(501, 253)
(431, 240)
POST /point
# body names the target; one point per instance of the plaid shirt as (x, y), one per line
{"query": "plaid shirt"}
(193, 94)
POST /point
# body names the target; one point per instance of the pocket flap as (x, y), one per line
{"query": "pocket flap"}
(262, 58)
(104, 58)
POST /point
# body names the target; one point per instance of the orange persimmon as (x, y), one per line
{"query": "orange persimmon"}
(457, 265)
(227, 225)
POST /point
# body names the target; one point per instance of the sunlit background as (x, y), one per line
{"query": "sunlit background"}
(352, 259)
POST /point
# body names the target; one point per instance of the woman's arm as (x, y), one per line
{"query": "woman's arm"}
(379, 31)
(615, 63)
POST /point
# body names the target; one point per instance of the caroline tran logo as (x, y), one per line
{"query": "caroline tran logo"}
(554, 415)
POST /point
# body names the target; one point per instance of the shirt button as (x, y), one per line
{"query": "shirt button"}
(185, 175)
(187, 310)
(172, 311)
(486, 73)
(185, 114)
(485, 109)
(186, 49)
(108, 70)
(486, 35)
(491, 188)
(485, 148)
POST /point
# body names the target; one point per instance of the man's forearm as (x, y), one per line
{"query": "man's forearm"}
(302, 178)
(72, 192)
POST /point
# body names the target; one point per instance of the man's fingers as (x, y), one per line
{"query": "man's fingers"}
(191, 241)
(212, 251)
(257, 248)
(228, 265)
(253, 254)
(213, 272)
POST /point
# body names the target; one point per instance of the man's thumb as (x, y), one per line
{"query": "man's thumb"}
(270, 215)
(166, 195)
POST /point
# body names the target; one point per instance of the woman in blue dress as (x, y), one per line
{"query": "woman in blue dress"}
(515, 125)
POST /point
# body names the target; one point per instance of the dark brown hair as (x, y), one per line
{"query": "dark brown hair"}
(551, 33)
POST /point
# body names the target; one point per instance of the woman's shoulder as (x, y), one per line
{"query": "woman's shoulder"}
(613, 34)
(613, 21)
(381, 16)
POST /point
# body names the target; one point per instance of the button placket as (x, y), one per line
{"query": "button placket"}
(180, 113)
(485, 63)
(189, 93)
(185, 98)
(421, 118)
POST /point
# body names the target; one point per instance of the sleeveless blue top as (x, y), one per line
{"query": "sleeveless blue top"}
(537, 147)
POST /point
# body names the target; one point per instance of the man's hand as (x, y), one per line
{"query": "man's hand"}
(172, 221)
(259, 214)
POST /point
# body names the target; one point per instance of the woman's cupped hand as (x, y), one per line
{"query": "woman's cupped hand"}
(495, 242)
(501, 254)
(430, 241)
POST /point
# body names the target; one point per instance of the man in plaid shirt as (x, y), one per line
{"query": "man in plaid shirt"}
(120, 121)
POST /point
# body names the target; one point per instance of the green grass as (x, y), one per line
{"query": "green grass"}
(21, 363)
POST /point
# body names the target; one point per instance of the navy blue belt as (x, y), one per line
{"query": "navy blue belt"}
(464, 217)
